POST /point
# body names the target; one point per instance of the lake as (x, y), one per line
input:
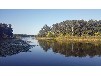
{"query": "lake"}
(53, 53)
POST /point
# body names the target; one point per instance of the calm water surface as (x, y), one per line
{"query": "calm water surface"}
(53, 53)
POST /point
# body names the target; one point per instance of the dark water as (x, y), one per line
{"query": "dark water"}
(49, 52)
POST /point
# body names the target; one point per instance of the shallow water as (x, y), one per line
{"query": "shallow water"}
(49, 52)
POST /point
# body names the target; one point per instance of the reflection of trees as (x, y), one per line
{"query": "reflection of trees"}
(77, 49)
(45, 44)
(13, 46)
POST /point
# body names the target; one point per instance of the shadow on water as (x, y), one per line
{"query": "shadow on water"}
(75, 49)
(10, 47)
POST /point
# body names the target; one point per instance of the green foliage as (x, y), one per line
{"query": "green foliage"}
(97, 34)
(50, 34)
(43, 32)
(5, 31)
(73, 28)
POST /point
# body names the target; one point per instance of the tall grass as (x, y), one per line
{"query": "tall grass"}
(73, 38)
(82, 38)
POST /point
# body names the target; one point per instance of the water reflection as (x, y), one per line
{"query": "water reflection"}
(13, 46)
(76, 49)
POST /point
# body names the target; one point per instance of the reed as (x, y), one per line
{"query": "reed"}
(80, 39)
(73, 38)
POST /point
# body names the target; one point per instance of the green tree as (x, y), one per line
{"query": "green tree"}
(50, 34)
(43, 32)
(73, 27)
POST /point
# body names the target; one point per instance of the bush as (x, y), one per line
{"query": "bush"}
(6, 31)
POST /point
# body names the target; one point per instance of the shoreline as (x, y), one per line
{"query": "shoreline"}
(72, 38)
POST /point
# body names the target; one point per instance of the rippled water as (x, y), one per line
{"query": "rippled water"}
(50, 52)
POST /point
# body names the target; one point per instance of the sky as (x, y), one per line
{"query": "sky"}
(30, 21)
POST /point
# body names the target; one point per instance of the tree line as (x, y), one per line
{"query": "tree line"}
(72, 28)
(6, 31)
(23, 35)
